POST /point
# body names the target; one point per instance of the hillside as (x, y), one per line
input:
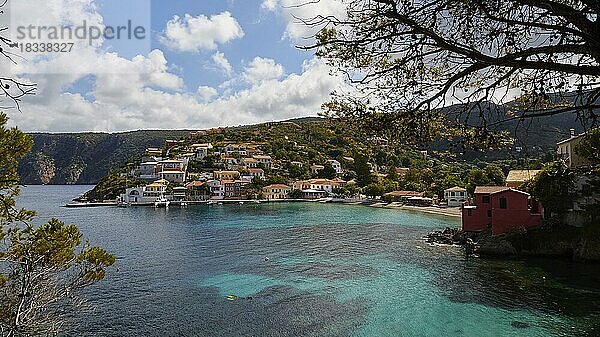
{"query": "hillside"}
(84, 158)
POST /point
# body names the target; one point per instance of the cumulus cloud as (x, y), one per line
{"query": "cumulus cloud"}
(207, 93)
(262, 69)
(222, 63)
(197, 33)
(142, 92)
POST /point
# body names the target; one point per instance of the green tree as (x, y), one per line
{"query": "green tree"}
(374, 190)
(328, 172)
(361, 167)
(554, 187)
(42, 269)
(410, 58)
(589, 147)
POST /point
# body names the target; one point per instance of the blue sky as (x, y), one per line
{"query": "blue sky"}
(208, 63)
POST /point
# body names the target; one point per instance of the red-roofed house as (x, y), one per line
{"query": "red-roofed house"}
(501, 208)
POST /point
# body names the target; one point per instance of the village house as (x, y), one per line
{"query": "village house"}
(230, 162)
(136, 195)
(315, 169)
(325, 185)
(153, 152)
(197, 191)
(173, 176)
(516, 178)
(216, 189)
(566, 151)
(297, 163)
(264, 161)
(205, 176)
(336, 165)
(502, 209)
(236, 149)
(232, 189)
(179, 193)
(148, 171)
(276, 191)
(313, 194)
(256, 173)
(156, 189)
(250, 162)
(456, 196)
(226, 175)
(171, 165)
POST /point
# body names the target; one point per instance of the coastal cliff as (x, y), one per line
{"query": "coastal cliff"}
(84, 158)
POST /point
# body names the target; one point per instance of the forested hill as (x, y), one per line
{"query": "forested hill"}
(84, 158)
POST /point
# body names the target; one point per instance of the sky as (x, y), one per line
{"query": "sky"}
(202, 64)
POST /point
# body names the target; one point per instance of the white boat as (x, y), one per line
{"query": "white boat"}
(241, 202)
(184, 204)
(162, 202)
(123, 204)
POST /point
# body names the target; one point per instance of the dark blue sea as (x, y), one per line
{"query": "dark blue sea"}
(304, 269)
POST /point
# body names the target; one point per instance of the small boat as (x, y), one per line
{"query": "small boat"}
(162, 202)
(220, 203)
(257, 201)
(211, 202)
(184, 204)
(123, 204)
(241, 202)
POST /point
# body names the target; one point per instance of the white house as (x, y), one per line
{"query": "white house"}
(173, 176)
(148, 171)
(136, 195)
(217, 190)
(566, 151)
(265, 161)
(336, 165)
(456, 196)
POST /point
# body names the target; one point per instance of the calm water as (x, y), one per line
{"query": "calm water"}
(312, 270)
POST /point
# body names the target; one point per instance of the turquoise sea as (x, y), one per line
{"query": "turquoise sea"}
(304, 269)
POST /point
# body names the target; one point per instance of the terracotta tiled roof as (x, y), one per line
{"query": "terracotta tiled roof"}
(277, 186)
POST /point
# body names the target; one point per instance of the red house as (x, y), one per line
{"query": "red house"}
(501, 208)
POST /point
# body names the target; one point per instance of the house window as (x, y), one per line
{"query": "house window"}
(485, 199)
(489, 213)
(469, 212)
(503, 203)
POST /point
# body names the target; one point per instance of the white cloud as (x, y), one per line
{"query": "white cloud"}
(262, 69)
(222, 63)
(143, 92)
(193, 34)
(269, 5)
(207, 93)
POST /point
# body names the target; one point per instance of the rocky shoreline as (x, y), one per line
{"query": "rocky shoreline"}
(546, 241)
